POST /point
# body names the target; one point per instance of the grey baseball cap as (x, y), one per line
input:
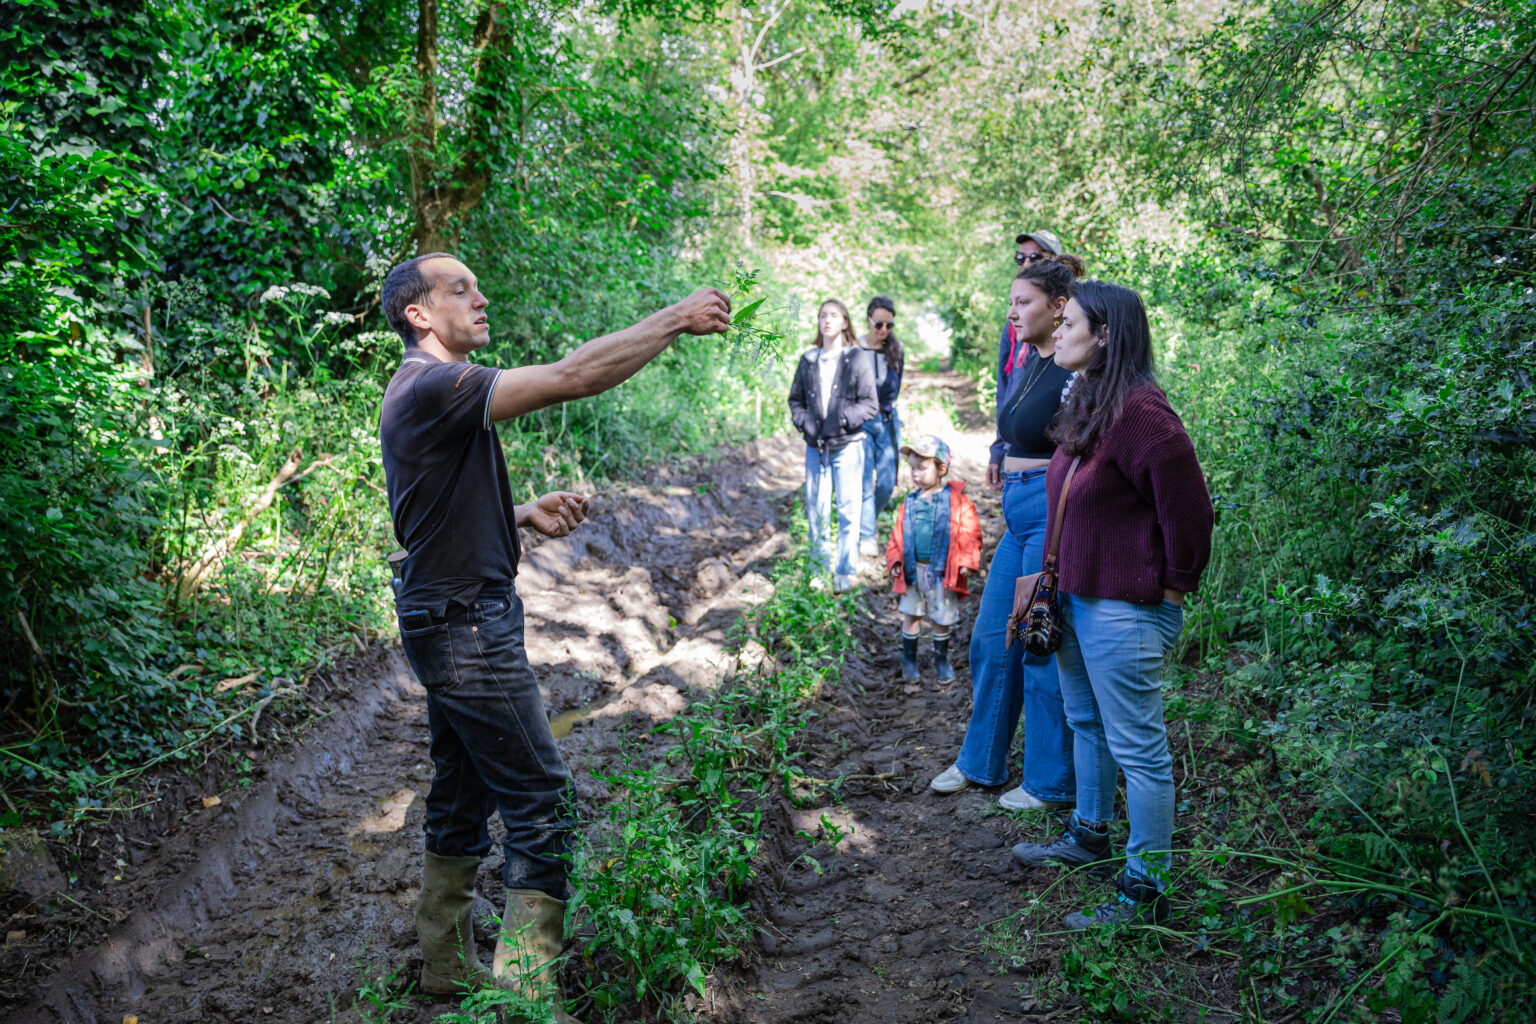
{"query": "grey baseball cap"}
(1046, 240)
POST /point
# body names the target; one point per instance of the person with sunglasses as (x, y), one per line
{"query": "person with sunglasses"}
(882, 434)
(1013, 351)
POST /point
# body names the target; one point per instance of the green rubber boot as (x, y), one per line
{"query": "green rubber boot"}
(444, 927)
(528, 952)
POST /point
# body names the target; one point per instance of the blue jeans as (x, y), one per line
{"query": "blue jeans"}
(882, 440)
(490, 741)
(1006, 680)
(841, 469)
(1111, 662)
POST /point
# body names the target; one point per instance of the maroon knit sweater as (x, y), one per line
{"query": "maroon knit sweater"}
(1138, 514)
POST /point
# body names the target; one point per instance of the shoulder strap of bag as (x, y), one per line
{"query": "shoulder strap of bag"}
(1061, 511)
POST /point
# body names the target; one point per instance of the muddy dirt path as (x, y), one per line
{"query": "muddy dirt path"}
(889, 928)
(276, 904)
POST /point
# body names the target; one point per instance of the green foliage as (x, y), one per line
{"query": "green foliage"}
(660, 881)
(203, 198)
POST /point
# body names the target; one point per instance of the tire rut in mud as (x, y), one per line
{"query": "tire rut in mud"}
(889, 928)
(279, 902)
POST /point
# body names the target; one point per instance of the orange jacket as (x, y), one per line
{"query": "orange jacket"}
(964, 542)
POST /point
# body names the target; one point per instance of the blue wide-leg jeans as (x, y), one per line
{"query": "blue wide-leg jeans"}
(882, 441)
(1006, 680)
(840, 470)
(1111, 664)
(490, 741)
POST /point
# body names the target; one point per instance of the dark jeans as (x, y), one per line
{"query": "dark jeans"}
(491, 742)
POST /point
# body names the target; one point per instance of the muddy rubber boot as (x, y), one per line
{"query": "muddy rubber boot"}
(444, 911)
(909, 669)
(528, 952)
(941, 663)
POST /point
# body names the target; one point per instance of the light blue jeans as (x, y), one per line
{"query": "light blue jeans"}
(1111, 664)
(882, 440)
(1007, 680)
(840, 470)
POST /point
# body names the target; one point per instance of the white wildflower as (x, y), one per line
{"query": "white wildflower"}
(276, 293)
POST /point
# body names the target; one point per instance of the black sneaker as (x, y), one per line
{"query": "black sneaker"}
(1078, 847)
(1136, 902)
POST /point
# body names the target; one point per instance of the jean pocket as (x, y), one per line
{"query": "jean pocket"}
(1170, 620)
(430, 652)
(489, 609)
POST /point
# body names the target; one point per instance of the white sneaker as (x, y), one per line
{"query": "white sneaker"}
(841, 584)
(869, 548)
(949, 781)
(818, 583)
(1019, 800)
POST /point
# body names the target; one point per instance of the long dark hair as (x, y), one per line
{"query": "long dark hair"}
(850, 340)
(1117, 316)
(893, 355)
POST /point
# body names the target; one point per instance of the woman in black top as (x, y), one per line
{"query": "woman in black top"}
(882, 434)
(832, 397)
(1007, 680)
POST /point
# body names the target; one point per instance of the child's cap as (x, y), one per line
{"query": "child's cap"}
(929, 446)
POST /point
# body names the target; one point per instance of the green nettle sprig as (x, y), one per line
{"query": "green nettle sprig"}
(756, 336)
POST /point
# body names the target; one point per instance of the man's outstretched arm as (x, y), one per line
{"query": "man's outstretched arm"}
(609, 361)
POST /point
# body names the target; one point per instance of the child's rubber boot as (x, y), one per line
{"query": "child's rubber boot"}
(909, 668)
(941, 664)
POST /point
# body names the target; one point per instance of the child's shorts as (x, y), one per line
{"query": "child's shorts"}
(931, 602)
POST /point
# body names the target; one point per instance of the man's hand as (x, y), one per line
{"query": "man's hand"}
(995, 475)
(706, 311)
(554, 514)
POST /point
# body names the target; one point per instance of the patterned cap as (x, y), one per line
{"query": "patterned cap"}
(929, 446)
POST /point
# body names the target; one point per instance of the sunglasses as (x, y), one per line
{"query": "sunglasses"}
(1022, 258)
(887, 324)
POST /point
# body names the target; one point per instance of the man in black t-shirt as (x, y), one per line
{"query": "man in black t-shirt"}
(461, 621)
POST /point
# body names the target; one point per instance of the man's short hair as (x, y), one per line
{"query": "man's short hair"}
(405, 286)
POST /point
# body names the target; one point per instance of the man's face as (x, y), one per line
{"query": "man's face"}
(1029, 251)
(457, 313)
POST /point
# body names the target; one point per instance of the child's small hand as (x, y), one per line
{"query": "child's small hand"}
(895, 569)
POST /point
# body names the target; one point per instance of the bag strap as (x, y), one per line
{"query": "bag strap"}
(1061, 511)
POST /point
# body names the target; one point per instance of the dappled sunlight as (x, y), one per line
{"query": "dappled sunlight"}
(390, 816)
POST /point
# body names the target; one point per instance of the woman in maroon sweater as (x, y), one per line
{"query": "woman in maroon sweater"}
(1135, 537)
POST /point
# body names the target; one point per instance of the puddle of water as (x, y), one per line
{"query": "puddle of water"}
(562, 724)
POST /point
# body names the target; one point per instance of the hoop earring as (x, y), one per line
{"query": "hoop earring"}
(1058, 322)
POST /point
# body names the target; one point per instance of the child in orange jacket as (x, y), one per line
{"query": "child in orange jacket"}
(936, 541)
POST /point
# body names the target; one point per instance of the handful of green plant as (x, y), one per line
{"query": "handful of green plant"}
(756, 334)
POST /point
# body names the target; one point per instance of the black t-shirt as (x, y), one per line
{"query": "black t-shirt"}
(1024, 416)
(447, 482)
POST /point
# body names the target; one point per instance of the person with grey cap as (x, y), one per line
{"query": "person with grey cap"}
(1012, 351)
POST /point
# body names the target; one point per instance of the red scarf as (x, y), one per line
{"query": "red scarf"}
(1016, 357)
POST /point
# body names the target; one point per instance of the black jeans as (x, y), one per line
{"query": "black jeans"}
(491, 742)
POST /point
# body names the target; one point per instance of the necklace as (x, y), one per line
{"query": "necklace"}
(1033, 379)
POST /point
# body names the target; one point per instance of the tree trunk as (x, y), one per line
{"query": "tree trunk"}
(443, 194)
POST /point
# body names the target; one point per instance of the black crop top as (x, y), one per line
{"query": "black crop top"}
(1026, 413)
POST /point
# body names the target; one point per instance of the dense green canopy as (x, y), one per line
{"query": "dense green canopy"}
(1330, 206)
